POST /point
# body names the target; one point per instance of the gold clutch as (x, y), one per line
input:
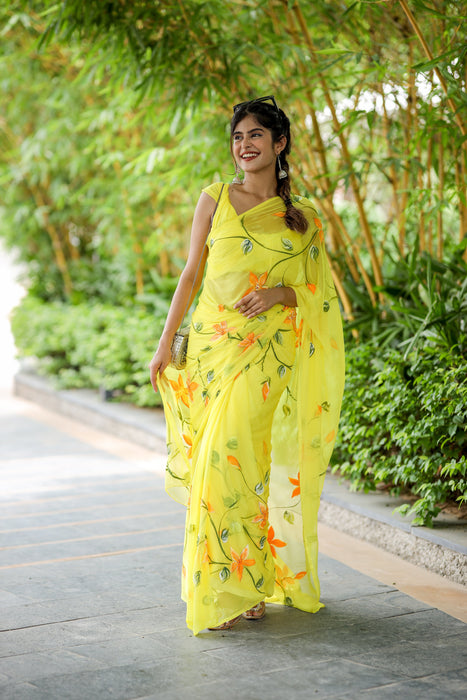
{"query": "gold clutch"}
(179, 348)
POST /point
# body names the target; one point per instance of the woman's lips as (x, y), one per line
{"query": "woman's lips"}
(249, 156)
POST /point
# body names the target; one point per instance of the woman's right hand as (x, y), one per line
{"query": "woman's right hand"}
(159, 362)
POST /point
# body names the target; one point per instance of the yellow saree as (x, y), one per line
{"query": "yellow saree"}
(252, 419)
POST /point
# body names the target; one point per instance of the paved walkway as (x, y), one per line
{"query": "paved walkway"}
(89, 590)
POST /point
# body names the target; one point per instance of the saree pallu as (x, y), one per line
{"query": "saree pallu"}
(252, 419)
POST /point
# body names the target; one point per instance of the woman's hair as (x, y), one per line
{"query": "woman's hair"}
(271, 117)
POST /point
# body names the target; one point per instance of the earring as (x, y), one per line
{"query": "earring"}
(282, 173)
(237, 179)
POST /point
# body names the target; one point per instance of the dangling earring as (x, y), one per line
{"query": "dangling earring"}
(282, 173)
(237, 179)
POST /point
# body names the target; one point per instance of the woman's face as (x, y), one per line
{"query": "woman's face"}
(252, 146)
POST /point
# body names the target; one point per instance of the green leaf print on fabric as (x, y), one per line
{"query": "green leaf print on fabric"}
(314, 252)
(232, 444)
(224, 574)
(247, 246)
(278, 338)
(198, 326)
(288, 245)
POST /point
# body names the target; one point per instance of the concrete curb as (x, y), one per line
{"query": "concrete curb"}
(368, 517)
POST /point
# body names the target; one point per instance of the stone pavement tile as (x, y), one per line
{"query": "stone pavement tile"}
(22, 437)
(72, 608)
(178, 675)
(8, 598)
(421, 658)
(339, 582)
(20, 691)
(32, 639)
(28, 667)
(121, 652)
(366, 607)
(440, 686)
(313, 679)
(425, 624)
(172, 534)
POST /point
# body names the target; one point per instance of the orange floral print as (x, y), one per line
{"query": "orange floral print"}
(248, 341)
(330, 436)
(180, 390)
(256, 282)
(221, 329)
(291, 318)
(233, 461)
(221, 307)
(191, 387)
(284, 577)
(265, 390)
(189, 442)
(279, 213)
(240, 561)
(262, 518)
(320, 229)
(312, 287)
(296, 483)
(298, 333)
(273, 543)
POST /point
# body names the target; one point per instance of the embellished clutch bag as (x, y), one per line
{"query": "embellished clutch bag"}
(179, 347)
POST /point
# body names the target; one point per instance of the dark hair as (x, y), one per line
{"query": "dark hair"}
(275, 120)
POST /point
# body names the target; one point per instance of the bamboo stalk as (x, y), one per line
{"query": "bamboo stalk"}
(439, 250)
(428, 53)
(54, 236)
(421, 223)
(345, 151)
(392, 168)
(429, 166)
(408, 136)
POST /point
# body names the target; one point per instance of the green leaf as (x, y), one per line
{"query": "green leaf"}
(232, 444)
(287, 244)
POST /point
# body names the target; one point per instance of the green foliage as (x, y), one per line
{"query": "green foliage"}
(425, 304)
(404, 423)
(98, 346)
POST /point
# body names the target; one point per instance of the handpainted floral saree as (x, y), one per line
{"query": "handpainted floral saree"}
(252, 420)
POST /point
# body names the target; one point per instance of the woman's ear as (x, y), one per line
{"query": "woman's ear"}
(280, 144)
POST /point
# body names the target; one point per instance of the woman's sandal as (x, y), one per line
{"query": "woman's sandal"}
(257, 612)
(226, 625)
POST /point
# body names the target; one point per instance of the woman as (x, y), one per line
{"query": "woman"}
(252, 419)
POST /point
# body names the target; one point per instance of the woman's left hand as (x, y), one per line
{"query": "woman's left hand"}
(258, 301)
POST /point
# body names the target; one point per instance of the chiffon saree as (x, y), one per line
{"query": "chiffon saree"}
(252, 419)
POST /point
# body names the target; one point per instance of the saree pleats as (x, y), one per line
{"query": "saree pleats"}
(252, 419)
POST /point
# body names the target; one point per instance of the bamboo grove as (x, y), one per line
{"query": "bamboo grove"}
(131, 100)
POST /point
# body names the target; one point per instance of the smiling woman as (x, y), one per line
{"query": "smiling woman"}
(252, 419)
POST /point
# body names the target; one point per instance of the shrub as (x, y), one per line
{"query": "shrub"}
(404, 424)
(93, 346)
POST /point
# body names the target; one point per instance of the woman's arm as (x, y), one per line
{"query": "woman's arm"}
(188, 284)
(259, 301)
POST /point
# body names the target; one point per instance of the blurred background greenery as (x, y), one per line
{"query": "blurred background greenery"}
(114, 115)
